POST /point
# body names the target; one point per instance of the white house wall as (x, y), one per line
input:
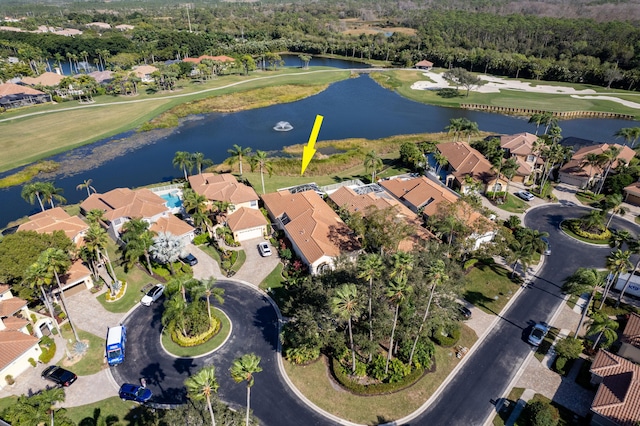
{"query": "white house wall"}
(20, 364)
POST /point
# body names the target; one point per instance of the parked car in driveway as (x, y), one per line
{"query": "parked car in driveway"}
(152, 295)
(189, 259)
(465, 312)
(59, 375)
(538, 333)
(525, 195)
(264, 249)
(131, 392)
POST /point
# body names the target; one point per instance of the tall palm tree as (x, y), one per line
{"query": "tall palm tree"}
(237, 154)
(436, 275)
(619, 238)
(86, 184)
(614, 202)
(617, 263)
(441, 161)
(200, 161)
(624, 133)
(369, 267)
(584, 280)
(469, 129)
(184, 161)
(397, 290)
(35, 277)
(634, 248)
(208, 289)
(594, 161)
(33, 191)
(346, 305)
(537, 119)
(193, 202)
(243, 369)
(202, 386)
(372, 164)
(402, 264)
(455, 126)
(608, 157)
(175, 312)
(519, 252)
(602, 325)
(260, 160)
(50, 192)
(138, 239)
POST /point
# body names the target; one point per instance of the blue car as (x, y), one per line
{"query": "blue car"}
(129, 392)
(538, 333)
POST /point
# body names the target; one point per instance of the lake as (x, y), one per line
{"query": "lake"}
(353, 108)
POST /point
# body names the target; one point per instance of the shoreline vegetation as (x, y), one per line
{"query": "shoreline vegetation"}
(232, 93)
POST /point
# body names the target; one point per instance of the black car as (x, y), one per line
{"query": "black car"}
(59, 375)
(189, 259)
(465, 313)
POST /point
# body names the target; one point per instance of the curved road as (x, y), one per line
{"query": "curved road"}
(466, 400)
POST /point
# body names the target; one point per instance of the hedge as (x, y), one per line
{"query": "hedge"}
(374, 389)
(48, 347)
(184, 341)
(449, 340)
(574, 225)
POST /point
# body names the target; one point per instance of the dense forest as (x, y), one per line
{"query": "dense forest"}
(605, 53)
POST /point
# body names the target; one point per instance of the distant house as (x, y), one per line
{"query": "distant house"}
(423, 194)
(318, 235)
(578, 172)
(243, 217)
(632, 194)
(466, 162)
(49, 79)
(17, 345)
(424, 65)
(56, 219)
(124, 27)
(16, 96)
(221, 58)
(102, 77)
(520, 147)
(143, 72)
(67, 32)
(347, 198)
(630, 339)
(617, 400)
(100, 25)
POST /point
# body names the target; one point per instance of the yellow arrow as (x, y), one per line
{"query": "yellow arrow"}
(309, 150)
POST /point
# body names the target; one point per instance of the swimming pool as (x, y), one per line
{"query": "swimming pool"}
(173, 200)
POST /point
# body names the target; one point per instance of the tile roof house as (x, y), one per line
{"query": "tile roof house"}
(617, 400)
(421, 193)
(101, 25)
(49, 79)
(630, 339)
(632, 194)
(578, 173)
(174, 226)
(221, 58)
(465, 161)
(56, 219)
(143, 72)
(520, 147)
(347, 198)
(424, 65)
(101, 76)
(16, 344)
(225, 187)
(316, 232)
(15, 96)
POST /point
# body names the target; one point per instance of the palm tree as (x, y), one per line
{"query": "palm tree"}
(608, 157)
(634, 248)
(243, 369)
(614, 202)
(199, 161)
(184, 161)
(537, 119)
(519, 252)
(346, 305)
(138, 239)
(592, 221)
(86, 184)
(167, 248)
(594, 161)
(207, 289)
(617, 263)
(38, 409)
(619, 237)
(509, 168)
(373, 164)
(33, 191)
(455, 126)
(624, 133)
(397, 290)
(369, 267)
(441, 161)
(202, 386)
(470, 128)
(436, 275)
(175, 311)
(260, 160)
(602, 325)
(193, 202)
(402, 264)
(237, 154)
(50, 192)
(584, 280)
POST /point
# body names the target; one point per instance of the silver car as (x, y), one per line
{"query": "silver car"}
(525, 195)
(152, 295)
(264, 249)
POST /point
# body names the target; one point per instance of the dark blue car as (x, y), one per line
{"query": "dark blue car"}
(129, 392)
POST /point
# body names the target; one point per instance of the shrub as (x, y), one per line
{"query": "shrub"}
(201, 239)
(470, 264)
(302, 354)
(48, 351)
(32, 362)
(423, 355)
(569, 348)
(560, 364)
(342, 376)
(185, 341)
(540, 413)
(9, 379)
(447, 337)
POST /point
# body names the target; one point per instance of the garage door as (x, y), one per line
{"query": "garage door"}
(249, 234)
(74, 290)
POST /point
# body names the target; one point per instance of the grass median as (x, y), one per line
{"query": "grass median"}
(210, 345)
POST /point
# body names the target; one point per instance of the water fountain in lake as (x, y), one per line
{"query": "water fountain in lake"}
(283, 126)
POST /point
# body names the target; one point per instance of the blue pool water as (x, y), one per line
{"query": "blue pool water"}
(173, 201)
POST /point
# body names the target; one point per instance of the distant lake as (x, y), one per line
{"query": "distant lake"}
(352, 108)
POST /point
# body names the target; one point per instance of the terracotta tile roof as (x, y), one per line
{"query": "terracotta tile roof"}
(144, 70)
(103, 25)
(221, 58)
(575, 167)
(10, 306)
(45, 79)
(7, 89)
(13, 344)
(222, 187)
(631, 333)
(618, 396)
(465, 160)
(101, 76)
(4, 288)
(518, 144)
(347, 198)
(172, 225)
(14, 323)
(123, 202)
(76, 273)
(633, 189)
(245, 218)
(419, 192)
(55, 219)
(312, 225)
(424, 63)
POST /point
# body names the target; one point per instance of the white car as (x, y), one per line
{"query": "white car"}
(525, 195)
(264, 249)
(152, 295)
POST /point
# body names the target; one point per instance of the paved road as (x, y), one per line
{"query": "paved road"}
(485, 376)
(254, 330)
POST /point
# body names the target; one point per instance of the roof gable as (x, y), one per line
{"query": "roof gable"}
(55, 219)
(13, 344)
(222, 187)
(123, 202)
(466, 161)
(172, 225)
(618, 396)
(245, 218)
(7, 89)
(631, 333)
(419, 193)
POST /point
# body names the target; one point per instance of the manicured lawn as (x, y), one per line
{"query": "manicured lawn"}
(610, 308)
(274, 280)
(313, 381)
(242, 257)
(208, 346)
(513, 204)
(93, 360)
(490, 286)
(113, 406)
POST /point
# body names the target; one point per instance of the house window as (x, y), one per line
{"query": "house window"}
(530, 158)
(254, 203)
(323, 267)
